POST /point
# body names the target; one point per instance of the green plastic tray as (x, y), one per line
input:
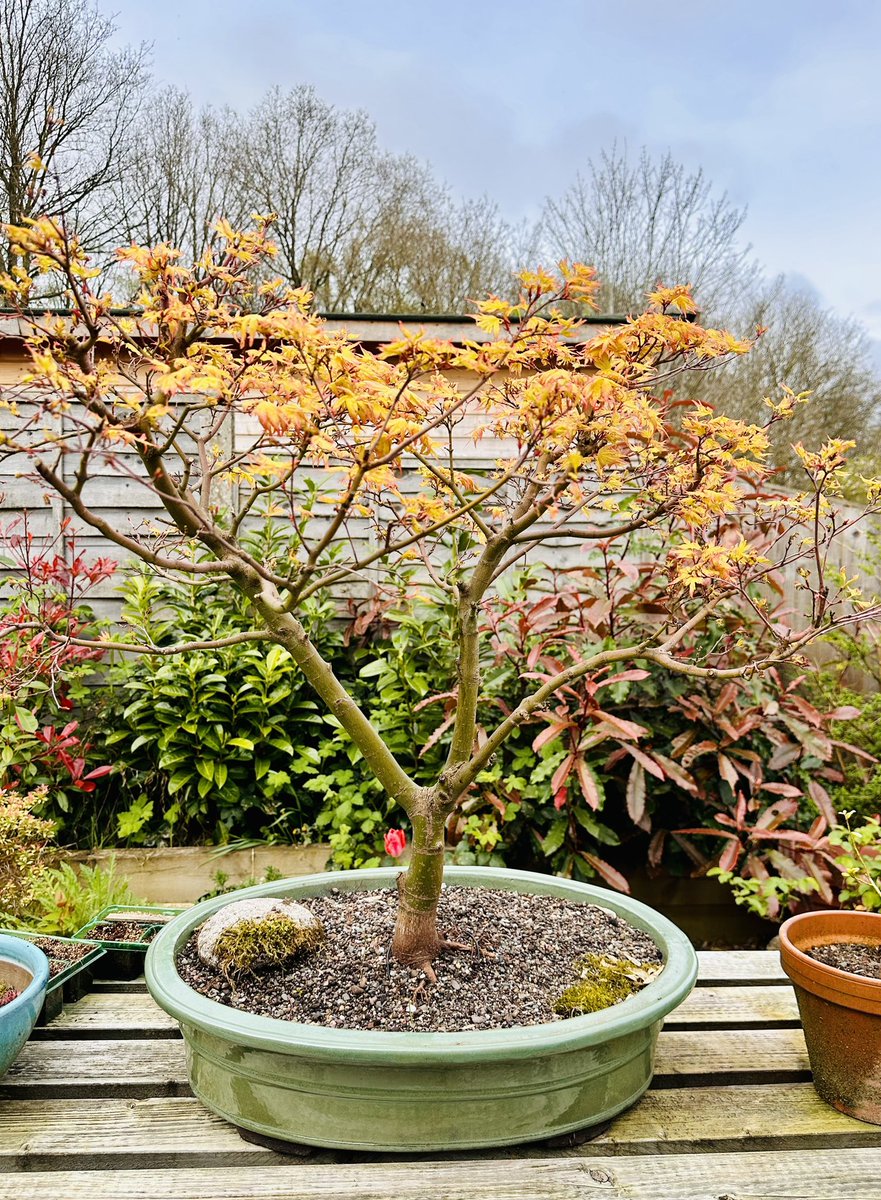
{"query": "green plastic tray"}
(124, 960)
(68, 985)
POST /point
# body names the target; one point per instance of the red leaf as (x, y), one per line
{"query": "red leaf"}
(99, 772)
(818, 828)
(636, 797)
(649, 763)
(821, 798)
(810, 714)
(691, 850)
(729, 856)
(857, 750)
(562, 773)
(783, 756)
(711, 833)
(656, 847)
(775, 814)
(438, 733)
(727, 770)
(780, 835)
(561, 796)
(434, 699)
(626, 729)
(696, 751)
(728, 693)
(589, 789)
(676, 773)
(612, 877)
(547, 735)
(624, 677)
(780, 789)
(846, 712)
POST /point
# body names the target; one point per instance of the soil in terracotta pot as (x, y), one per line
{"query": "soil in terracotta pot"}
(860, 958)
(122, 931)
(522, 955)
(61, 955)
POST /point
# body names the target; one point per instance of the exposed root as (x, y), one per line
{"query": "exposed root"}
(443, 944)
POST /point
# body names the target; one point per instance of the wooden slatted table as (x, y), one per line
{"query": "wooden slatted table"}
(98, 1107)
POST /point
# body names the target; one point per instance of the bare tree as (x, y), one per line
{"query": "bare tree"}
(806, 348)
(179, 176)
(649, 220)
(66, 98)
(432, 256)
(316, 168)
(364, 229)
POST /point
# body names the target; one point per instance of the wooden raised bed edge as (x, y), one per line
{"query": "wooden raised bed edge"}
(181, 874)
(703, 908)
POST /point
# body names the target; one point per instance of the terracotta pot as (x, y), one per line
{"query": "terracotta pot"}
(840, 1011)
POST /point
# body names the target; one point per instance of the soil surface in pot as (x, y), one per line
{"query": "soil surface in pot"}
(522, 954)
(61, 955)
(122, 931)
(860, 958)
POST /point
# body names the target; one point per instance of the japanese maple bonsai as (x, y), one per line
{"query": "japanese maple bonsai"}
(222, 394)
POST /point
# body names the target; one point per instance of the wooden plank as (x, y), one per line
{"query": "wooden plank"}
(156, 1067)
(784, 1175)
(757, 1007)
(482, 1180)
(730, 1056)
(40, 1135)
(103, 1015)
(729, 967)
(110, 1015)
(97, 1069)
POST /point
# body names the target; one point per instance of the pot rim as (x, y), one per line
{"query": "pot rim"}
(815, 963)
(22, 953)
(649, 1005)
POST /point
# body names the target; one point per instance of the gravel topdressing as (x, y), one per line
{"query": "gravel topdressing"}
(860, 958)
(522, 956)
(121, 931)
(61, 955)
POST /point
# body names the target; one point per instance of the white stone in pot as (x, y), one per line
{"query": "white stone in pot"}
(253, 911)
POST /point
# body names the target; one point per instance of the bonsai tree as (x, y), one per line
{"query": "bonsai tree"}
(223, 395)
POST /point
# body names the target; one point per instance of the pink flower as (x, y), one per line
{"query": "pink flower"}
(395, 842)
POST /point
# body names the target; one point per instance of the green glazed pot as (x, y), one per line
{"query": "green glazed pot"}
(397, 1092)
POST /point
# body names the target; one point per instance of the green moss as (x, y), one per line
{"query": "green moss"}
(266, 942)
(604, 982)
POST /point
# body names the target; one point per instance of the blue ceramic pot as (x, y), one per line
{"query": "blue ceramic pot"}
(25, 967)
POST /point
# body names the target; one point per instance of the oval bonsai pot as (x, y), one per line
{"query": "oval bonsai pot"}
(26, 968)
(399, 1092)
(840, 1012)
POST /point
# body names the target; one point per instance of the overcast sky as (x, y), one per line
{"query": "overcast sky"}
(779, 100)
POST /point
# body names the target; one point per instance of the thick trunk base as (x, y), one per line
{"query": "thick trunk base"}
(416, 942)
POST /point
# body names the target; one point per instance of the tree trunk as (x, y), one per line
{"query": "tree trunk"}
(416, 941)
